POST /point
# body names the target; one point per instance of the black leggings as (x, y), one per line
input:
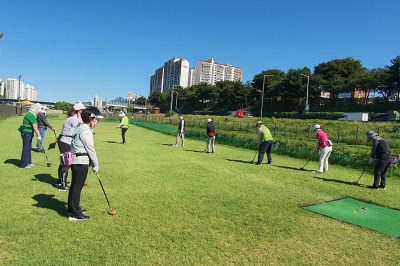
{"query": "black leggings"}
(123, 131)
(79, 174)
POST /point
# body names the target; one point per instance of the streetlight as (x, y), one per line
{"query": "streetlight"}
(172, 98)
(19, 86)
(262, 96)
(308, 83)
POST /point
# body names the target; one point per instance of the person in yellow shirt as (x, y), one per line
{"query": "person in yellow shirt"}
(265, 142)
(124, 125)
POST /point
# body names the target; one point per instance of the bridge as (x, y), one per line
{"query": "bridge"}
(16, 100)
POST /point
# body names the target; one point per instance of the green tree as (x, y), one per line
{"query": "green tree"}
(336, 75)
(141, 100)
(62, 106)
(392, 80)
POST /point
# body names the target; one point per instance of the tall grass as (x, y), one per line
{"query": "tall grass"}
(181, 206)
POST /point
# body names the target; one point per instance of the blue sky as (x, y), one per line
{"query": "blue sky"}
(73, 50)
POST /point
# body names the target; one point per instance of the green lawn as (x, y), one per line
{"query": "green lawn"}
(181, 206)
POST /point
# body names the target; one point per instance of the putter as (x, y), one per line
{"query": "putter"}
(53, 145)
(252, 161)
(111, 211)
(356, 182)
(302, 168)
(48, 163)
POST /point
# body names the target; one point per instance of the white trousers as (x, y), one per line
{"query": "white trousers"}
(211, 141)
(323, 159)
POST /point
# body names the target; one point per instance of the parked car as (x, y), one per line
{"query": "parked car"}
(381, 118)
(248, 115)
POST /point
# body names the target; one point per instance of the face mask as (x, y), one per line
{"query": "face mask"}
(93, 123)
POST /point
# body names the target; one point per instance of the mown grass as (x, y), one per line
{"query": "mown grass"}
(181, 206)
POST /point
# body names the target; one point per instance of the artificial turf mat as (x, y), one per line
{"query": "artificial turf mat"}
(377, 218)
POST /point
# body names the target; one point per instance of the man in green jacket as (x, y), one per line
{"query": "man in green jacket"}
(264, 143)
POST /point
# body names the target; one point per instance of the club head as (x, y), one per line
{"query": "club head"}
(48, 164)
(301, 168)
(355, 183)
(112, 212)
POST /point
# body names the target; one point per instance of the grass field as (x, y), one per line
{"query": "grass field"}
(181, 206)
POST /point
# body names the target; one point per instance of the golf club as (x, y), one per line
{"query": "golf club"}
(53, 145)
(111, 211)
(356, 182)
(252, 161)
(309, 159)
(48, 163)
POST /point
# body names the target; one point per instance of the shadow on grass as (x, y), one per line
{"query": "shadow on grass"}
(49, 202)
(111, 141)
(197, 151)
(339, 181)
(45, 178)
(291, 168)
(239, 161)
(15, 162)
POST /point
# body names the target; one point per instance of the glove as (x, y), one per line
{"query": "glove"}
(95, 169)
(39, 138)
(371, 160)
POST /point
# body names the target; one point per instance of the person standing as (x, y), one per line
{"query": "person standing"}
(29, 125)
(124, 125)
(82, 145)
(210, 135)
(265, 142)
(43, 124)
(181, 131)
(64, 142)
(381, 151)
(324, 146)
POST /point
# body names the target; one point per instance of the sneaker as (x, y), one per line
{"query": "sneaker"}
(78, 218)
(27, 167)
(269, 162)
(62, 188)
(175, 145)
(382, 187)
(373, 187)
(31, 165)
(257, 163)
(315, 172)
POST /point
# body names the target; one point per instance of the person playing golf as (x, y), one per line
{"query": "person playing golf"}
(381, 151)
(64, 142)
(181, 131)
(265, 142)
(324, 146)
(43, 124)
(124, 125)
(82, 145)
(210, 135)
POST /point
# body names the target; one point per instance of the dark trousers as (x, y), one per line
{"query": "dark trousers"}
(380, 172)
(265, 147)
(79, 174)
(63, 147)
(26, 156)
(123, 131)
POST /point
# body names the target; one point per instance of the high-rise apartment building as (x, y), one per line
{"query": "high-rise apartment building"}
(211, 72)
(174, 72)
(2, 88)
(12, 88)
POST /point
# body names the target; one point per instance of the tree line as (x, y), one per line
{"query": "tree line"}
(285, 91)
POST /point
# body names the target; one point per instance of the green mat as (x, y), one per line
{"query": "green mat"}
(377, 218)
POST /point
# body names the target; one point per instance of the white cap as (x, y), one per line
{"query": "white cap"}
(79, 106)
(209, 120)
(316, 127)
(122, 114)
(44, 107)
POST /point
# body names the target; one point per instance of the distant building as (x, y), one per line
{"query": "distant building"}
(18, 90)
(174, 72)
(177, 72)
(211, 72)
(2, 88)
